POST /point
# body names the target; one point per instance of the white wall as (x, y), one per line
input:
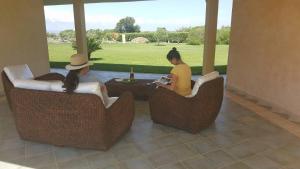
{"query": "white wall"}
(264, 55)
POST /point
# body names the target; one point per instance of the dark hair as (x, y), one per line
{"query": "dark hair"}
(71, 81)
(173, 54)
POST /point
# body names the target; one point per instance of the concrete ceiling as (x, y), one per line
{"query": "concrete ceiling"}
(65, 2)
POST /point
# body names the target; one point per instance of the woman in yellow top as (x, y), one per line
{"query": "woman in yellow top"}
(180, 75)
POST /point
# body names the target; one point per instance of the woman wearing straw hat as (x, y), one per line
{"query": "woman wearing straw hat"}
(79, 72)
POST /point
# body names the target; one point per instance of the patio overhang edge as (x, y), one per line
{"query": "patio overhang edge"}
(66, 2)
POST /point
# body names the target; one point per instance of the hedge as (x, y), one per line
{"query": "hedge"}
(197, 70)
(173, 37)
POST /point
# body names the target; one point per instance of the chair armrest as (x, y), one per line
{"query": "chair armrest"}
(51, 76)
(120, 115)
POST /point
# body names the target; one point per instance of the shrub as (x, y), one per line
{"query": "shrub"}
(177, 37)
(67, 35)
(161, 35)
(130, 36)
(223, 36)
(196, 36)
(173, 37)
(52, 35)
(92, 45)
(96, 34)
(113, 36)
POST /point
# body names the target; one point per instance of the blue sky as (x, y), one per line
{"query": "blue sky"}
(172, 14)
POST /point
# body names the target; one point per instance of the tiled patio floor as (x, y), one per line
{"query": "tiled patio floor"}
(239, 139)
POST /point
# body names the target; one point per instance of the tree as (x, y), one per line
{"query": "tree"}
(184, 29)
(97, 34)
(67, 35)
(92, 45)
(51, 35)
(126, 25)
(223, 36)
(196, 36)
(161, 35)
(177, 37)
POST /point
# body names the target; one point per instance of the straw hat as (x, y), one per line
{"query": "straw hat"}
(78, 61)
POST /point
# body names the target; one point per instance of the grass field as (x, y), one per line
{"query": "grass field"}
(147, 58)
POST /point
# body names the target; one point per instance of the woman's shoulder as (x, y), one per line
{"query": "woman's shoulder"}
(89, 78)
(183, 66)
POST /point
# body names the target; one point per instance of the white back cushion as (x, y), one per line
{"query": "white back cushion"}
(18, 72)
(111, 101)
(32, 84)
(203, 79)
(57, 86)
(89, 87)
(84, 87)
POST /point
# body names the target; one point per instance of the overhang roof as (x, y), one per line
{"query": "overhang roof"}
(65, 2)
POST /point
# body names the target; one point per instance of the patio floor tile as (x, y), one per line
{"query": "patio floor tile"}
(40, 161)
(237, 165)
(182, 152)
(246, 149)
(63, 154)
(137, 163)
(220, 158)
(173, 166)
(202, 145)
(200, 162)
(80, 163)
(260, 162)
(9, 155)
(32, 149)
(147, 146)
(101, 160)
(126, 152)
(162, 157)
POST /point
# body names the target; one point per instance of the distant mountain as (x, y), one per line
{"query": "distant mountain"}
(56, 27)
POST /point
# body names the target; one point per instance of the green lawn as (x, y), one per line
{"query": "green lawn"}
(146, 58)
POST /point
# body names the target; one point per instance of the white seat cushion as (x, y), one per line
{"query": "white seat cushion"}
(201, 80)
(111, 101)
(32, 84)
(84, 87)
(18, 72)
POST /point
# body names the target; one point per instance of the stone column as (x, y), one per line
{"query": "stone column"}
(123, 38)
(80, 30)
(211, 24)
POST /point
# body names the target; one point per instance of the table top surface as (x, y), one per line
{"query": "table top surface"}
(136, 82)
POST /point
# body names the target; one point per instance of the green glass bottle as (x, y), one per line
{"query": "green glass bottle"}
(131, 78)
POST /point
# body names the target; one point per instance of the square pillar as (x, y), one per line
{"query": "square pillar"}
(80, 30)
(211, 24)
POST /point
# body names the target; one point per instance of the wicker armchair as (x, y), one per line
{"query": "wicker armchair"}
(191, 114)
(77, 120)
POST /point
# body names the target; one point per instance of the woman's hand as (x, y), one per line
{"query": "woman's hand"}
(170, 76)
(159, 84)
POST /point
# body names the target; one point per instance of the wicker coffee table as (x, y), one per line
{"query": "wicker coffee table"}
(140, 88)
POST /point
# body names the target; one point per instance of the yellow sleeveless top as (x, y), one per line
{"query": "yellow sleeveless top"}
(184, 76)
